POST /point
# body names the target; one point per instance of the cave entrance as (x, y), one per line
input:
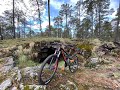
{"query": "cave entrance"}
(45, 52)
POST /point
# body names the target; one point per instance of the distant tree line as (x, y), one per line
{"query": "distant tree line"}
(86, 19)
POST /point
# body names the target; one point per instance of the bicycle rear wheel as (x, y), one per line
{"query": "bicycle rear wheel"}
(48, 69)
(73, 63)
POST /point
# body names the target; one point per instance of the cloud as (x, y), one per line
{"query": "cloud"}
(45, 23)
(73, 2)
(5, 5)
(114, 4)
(36, 26)
(113, 15)
(56, 4)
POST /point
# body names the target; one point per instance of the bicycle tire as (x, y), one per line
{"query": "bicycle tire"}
(40, 80)
(73, 63)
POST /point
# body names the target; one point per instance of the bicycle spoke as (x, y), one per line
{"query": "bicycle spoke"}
(73, 64)
(48, 70)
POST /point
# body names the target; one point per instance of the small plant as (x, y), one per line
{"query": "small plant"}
(26, 88)
(24, 61)
(87, 47)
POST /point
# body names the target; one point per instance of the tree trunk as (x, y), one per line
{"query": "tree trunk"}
(79, 14)
(1, 36)
(39, 15)
(99, 20)
(66, 21)
(80, 21)
(24, 28)
(49, 17)
(117, 33)
(92, 25)
(30, 29)
(18, 26)
(13, 21)
(40, 24)
(67, 32)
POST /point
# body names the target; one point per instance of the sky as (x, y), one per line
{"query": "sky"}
(54, 7)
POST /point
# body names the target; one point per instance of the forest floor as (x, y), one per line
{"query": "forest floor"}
(104, 76)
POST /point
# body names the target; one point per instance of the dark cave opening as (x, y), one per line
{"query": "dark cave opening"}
(45, 52)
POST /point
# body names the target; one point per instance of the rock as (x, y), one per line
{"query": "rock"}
(33, 74)
(69, 86)
(20, 47)
(118, 68)
(14, 88)
(118, 80)
(73, 84)
(8, 65)
(15, 69)
(19, 76)
(31, 71)
(34, 87)
(4, 85)
(62, 87)
(107, 61)
(100, 54)
(92, 63)
(0, 54)
(94, 60)
(110, 75)
(14, 73)
(21, 86)
(31, 87)
(32, 44)
(37, 88)
(97, 42)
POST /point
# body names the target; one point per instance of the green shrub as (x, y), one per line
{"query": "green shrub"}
(87, 47)
(24, 61)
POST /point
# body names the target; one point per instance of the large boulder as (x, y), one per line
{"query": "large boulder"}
(31, 71)
(68, 86)
(6, 84)
(8, 65)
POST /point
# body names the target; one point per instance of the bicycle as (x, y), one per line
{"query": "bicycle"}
(50, 64)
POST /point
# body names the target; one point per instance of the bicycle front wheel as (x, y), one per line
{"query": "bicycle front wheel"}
(73, 63)
(48, 69)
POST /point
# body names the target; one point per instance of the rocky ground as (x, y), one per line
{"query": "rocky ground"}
(101, 73)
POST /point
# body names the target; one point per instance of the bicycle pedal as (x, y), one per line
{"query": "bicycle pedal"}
(63, 68)
(71, 61)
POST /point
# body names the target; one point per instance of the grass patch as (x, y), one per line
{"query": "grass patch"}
(24, 61)
(61, 64)
(19, 41)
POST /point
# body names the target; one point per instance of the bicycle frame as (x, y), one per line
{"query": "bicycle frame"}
(60, 51)
(63, 52)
